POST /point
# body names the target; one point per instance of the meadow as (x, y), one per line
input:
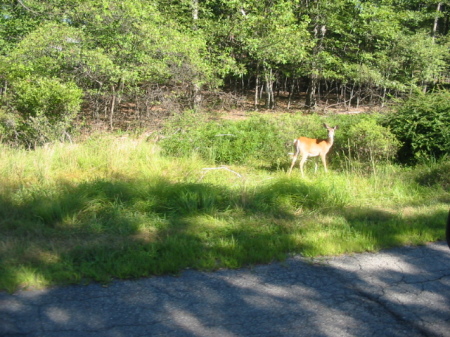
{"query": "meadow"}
(120, 206)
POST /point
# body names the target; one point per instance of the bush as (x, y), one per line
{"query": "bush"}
(422, 124)
(368, 141)
(269, 139)
(42, 110)
(223, 141)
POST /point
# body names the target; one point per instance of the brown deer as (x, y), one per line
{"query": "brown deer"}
(311, 147)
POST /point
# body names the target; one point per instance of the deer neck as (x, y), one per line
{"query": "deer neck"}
(330, 140)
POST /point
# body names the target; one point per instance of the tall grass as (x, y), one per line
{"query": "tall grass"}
(115, 207)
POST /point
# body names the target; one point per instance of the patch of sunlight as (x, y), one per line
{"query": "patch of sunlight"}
(333, 237)
(146, 233)
(47, 257)
(227, 243)
(413, 237)
(409, 211)
(422, 210)
(321, 221)
(206, 221)
(296, 239)
(35, 253)
(27, 277)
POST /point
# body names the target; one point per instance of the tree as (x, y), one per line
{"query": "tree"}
(111, 49)
(145, 54)
(262, 36)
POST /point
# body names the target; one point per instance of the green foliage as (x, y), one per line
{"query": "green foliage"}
(268, 139)
(43, 96)
(147, 53)
(421, 123)
(46, 109)
(15, 23)
(368, 141)
(223, 141)
(143, 45)
(262, 139)
(52, 50)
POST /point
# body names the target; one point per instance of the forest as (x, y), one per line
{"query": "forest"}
(66, 62)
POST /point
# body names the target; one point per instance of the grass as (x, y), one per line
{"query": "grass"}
(116, 208)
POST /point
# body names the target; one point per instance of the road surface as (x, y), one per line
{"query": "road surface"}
(398, 292)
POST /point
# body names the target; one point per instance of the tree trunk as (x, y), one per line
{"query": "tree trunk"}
(446, 25)
(4, 88)
(270, 101)
(311, 102)
(111, 112)
(311, 98)
(436, 20)
(195, 11)
(291, 91)
(196, 92)
(256, 87)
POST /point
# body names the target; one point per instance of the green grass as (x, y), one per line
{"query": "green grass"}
(116, 208)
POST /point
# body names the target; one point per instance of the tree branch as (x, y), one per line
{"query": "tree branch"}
(27, 8)
(207, 169)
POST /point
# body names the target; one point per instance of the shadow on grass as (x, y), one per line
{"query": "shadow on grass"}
(128, 228)
(437, 176)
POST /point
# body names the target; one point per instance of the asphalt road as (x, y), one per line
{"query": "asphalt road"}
(400, 292)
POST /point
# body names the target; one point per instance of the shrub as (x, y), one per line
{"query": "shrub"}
(8, 127)
(223, 141)
(46, 109)
(268, 139)
(368, 141)
(422, 124)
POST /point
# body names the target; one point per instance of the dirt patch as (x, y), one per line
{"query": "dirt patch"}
(129, 119)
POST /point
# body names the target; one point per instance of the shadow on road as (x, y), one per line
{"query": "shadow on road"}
(400, 292)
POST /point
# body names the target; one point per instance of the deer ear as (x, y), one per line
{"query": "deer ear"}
(336, 127)
(325, 125)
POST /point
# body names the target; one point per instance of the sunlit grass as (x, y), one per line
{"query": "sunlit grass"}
(114, 207)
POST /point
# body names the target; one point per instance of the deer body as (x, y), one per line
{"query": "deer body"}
(311, 147)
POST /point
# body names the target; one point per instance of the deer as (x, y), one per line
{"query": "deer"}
(312, 147)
